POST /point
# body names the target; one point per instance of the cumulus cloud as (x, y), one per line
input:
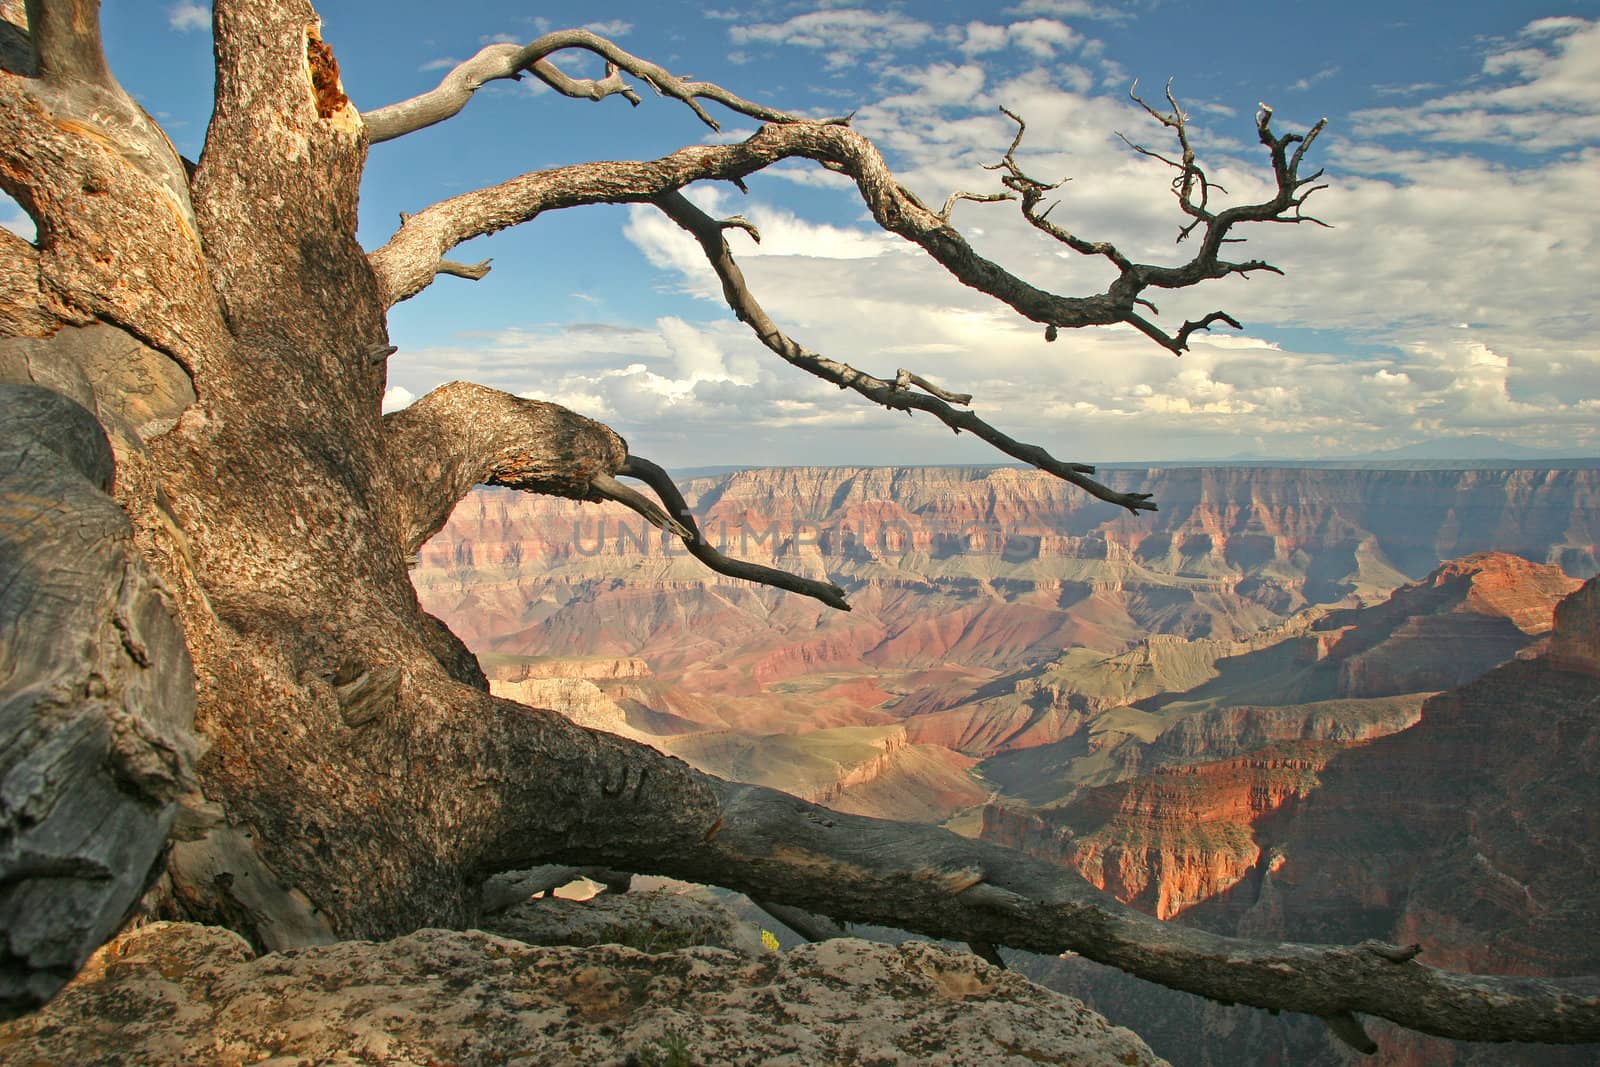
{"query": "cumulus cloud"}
(1042, 37)
(783, 234)
(185, 17)
(1453, 296)
(1039, 37)
(610, 27)
(396, 397)
(1546, 96)
(841, 34)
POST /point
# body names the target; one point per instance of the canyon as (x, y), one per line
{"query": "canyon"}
(1261, 709)
(996, 612)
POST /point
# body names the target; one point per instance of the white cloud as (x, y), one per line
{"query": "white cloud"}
(783, 234)
(1039, 37)
(1067, 9)
(185, 17)
(935, 85)
(1042, 37)
(841, 35)
(396, 397)
(1551, 101)
(610, 27)
(981, 37)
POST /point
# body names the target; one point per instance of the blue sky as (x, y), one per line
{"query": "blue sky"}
(1456, 294)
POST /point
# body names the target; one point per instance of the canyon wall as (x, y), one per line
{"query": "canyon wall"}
(1215, 763)
(995, 609)
(1216, 712)
(1474, 832)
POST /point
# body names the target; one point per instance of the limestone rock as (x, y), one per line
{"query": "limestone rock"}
(172, 993)
(577, 699)
(964, 582)
(656, 920)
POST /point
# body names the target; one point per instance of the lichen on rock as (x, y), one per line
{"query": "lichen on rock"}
(178, 993)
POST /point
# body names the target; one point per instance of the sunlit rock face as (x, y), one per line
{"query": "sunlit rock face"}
(1444, 631)
(180, 994)
(1478, 829)
(1186, 830)
(1474, 832)
(1216, 712)
(996, 611)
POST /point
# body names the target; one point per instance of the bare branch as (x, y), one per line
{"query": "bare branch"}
(499, 61)
(1032, 190)
(461, 435)
(1178, 342)
(1191, 178)
(404, 265)
(977, 198)
(605, 487)
(890, 394)
(776, 847)
(739, 222)
(1193, 189)
(904, 379)
(408, 262)
(471, 271)
(659, 480)
(66, 37)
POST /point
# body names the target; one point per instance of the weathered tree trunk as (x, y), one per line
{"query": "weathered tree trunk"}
(95, 721)
(357, 779)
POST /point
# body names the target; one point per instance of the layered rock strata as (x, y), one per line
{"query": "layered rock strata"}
(1473, 833)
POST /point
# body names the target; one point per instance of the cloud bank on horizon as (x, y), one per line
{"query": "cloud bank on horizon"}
(1454, 295)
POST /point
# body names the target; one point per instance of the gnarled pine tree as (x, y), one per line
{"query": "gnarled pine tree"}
(220, 674)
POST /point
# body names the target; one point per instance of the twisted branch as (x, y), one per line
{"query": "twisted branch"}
(775, 847)
(1193, 188)
(501, 61)
(891, 394)
(411, 258)
(684, 525)
(461, 435)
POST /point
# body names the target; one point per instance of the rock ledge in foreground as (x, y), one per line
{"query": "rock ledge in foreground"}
(177, 993)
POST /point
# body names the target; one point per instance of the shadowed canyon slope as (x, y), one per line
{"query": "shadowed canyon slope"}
(1473, 833)
(995, 610)
(1222, 755)
(1156, 702)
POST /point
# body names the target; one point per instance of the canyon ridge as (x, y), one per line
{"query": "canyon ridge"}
(1171, 705)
